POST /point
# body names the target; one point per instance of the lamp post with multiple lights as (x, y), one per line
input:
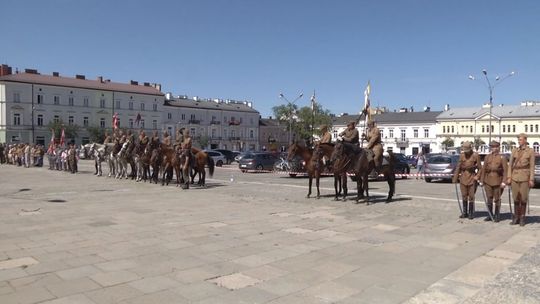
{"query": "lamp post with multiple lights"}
(292, 111)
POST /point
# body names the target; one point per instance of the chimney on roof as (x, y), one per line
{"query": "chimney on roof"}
(55, 74)
(147, 84)
(80, 77)
(133, 82)
(31, 71)
(100, 79)
(5, 70)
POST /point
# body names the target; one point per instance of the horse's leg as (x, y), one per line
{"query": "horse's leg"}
(344, 185)
(203, 178)
(164, 176)
(391, 178)
(96, 166)
(365, 181)
(317, 179)
(310, 183)
(337, 179)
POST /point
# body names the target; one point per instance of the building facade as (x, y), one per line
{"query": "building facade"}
(30, 100)
(473, 124)
(274, 135)
(213, 123)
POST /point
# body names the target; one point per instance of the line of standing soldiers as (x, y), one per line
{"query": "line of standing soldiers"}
(494, 175)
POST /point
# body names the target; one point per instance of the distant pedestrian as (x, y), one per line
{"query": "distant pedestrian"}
(420, 165)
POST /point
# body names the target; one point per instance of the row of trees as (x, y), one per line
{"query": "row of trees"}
(303, 121)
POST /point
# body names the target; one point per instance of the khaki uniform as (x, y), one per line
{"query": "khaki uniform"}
(466, 172)
(492, 175)
(350, 136)
(107, 140)
(375, 144)
(326, 138)
(167, 141)
(521, 171)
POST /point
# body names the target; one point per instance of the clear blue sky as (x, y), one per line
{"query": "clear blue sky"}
(415, 53)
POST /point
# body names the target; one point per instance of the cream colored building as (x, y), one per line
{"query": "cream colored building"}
(507, 121)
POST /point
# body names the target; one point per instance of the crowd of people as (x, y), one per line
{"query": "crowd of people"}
(22, 154)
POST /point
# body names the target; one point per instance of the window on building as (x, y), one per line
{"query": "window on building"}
(415, 133)
(85, 121)
(192, 117)
(444, 129)
(183, 116)
(213, 133)
(536, 147)
(213, 118)
(16, 97)
(471, 129)
(142, 123)
(102, 122)
(40, 99)
(225, 119)
(251, 133)
(70, 120)
(514, 128)
(154, 124)
(85, 102)
(251, 120)
(56, 100)
(233, 133)
(403, 135)
(131, 123)
(536, 128)
(391, 133)
(142, 106)
(16, 119)
(40, 120)
(40, 140)
(102, 103)
(154, 107)
(504, 129)
(56, 119)
(169, 115)
(224, 133)
(192, 131)
(130, 105)
(426, 133)
(483, 129)
(452, 129)
(118, 104)
(70, 101)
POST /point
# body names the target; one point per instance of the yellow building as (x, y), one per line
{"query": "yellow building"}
(472, 124)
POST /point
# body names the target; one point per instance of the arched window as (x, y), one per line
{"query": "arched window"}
(536, 147)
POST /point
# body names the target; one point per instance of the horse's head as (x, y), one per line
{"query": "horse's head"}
(338, 152)
(293, 151)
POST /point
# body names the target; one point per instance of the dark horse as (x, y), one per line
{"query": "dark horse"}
(313, 160)
(359, 163)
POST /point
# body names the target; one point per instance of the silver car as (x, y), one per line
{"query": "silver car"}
(218, 157)
(442, 164)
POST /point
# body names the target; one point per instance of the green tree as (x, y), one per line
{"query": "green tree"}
(71, 131)
(448, 142)
(300, 121)
(97, 134)
(203, 141)
(478, 142)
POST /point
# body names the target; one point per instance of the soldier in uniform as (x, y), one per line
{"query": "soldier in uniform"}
(467, 165)
(166, 139)
(326, 137)
(492, 177)
(185, 151)
(521, 178)
(154, 141)
(375, 143)
(107, 139)
(143, 139)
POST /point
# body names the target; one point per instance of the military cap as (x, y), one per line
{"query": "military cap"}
(324, 127)
(352, 122)
(494, 143)
(522, 135)
(466, 146)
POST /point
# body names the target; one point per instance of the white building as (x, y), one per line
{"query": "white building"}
(29, 101)
(404, 132)
(221, 124)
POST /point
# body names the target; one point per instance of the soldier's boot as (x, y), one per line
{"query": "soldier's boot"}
(464, 210)
(471, 210)
(522, 214)
(515, 216)
(490, 210)
(497, 212)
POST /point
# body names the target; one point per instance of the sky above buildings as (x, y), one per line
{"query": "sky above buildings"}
(415, 53)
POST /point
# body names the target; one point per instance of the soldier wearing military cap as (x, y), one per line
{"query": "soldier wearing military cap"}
(468, 164)
(375, 143)
(492, 177)
(521, 177)
(326, 137)
(350, 135)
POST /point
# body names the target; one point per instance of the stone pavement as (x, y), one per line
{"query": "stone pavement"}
(81, 239)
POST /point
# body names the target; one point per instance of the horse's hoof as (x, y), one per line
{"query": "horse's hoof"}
(307, 196)
(318, 197)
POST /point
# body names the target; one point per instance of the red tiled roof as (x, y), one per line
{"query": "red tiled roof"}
(80, 83)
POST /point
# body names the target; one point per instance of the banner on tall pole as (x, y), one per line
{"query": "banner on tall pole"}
(63, 138)
(51, 144)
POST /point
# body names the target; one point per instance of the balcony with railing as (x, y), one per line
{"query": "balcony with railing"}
(215, 122)
(234, 123)
(194, 121)
(402, 142)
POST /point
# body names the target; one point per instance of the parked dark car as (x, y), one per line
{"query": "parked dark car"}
(401, 164)
(440, 164)
(229, 155)
(257, 161)
(412, 160)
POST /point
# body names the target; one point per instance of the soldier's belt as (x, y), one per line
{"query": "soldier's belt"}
(521, 168)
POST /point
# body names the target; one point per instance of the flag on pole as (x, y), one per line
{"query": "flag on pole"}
(51, 144)
(115, 121)
(138, 119)
(63, 138)
(366, 110)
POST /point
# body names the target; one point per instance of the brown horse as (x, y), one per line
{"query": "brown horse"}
(345, 159)
(313, 160)
(199, 161)
(169, 161)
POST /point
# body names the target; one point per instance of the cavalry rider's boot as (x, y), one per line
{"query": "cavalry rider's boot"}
(515, 216)
(497, 212)
(471, 210)
(464, 212)
(522, 214)
(490, 211)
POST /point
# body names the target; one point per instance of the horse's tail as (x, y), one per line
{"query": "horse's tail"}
(211, 165)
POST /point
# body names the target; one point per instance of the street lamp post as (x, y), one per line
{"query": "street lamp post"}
(292, 112)
(490, 86)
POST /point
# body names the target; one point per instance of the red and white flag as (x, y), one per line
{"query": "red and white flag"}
(51, 144)
(63, 138)
(115, 121)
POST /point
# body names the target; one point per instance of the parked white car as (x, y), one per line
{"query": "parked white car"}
(218, 157)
